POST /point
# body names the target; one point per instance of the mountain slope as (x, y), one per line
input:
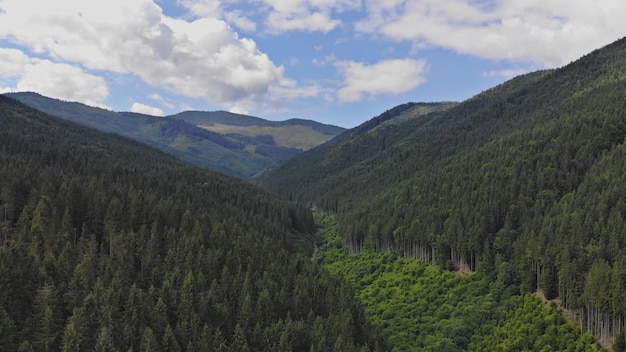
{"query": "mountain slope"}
(523, 181)
(106, 244)
(234, 148)
(293, 133)
(330, 165)
(395, 152)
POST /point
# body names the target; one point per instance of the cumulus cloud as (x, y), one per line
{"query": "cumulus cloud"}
(290, 89)
(241, 21)
(13, 62)
(146, 109)
(63, 82)
(550, 33)
(306, 15)
(199, 58)
(385, 77)
(238, 110)
(202, 8)
(310, 22)
(56, 80)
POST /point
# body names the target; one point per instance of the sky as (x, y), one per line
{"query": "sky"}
(339, 62)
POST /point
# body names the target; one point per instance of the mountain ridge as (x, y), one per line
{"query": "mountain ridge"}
(108, 244)
(523, 181)
(233, 153)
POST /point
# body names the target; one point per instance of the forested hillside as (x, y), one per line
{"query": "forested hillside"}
(332, 167)
(524, 181)
(293, 133)
(421, 307)
(237, 145)
(108, 245)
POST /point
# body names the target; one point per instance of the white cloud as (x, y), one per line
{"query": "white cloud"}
(339, 5)
(13, 62)
(199, 58)
(55, 80)
(385, 77)
(202, 8)
(63, 81)
(156, 96)
(239, 110)
(309, 22)
(506, 73)
(241, 21)
(289, 89)
(306, 15)
(161, 100)
(550, 33)
(324, 60)
(198, 9)
(146, 109)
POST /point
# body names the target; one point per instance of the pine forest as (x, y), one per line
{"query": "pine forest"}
(494, 224)
(110, 246)
(524, 181)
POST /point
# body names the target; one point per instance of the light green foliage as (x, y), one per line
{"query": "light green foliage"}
(524, 181)
(420, 307)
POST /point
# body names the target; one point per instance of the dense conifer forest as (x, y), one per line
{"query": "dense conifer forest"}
(524, 181)
(421, 307)
(106, 245)
(194, 136)
(452, 221)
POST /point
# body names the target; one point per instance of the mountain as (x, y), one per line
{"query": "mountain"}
(293, 133)
(235, 144)
(354, 154)
(394, 116)
(107, 244)
(524, 182)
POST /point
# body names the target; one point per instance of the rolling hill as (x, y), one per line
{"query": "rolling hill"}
(107, 244)
(237, 145)
(524, 182)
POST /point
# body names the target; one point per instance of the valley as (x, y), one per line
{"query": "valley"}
(237, 145)
(524, 181)
(203, 231)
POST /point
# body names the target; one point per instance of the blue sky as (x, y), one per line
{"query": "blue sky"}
(340, 62)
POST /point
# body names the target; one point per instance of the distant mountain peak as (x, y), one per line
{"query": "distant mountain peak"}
(235, 144)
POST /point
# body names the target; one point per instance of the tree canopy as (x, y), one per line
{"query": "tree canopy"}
(528, 174)
(108, 245)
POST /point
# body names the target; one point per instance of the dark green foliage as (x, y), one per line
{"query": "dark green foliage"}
(172, 128)
(110, 246)
(529, 173)
(333, 175)
(181, 136)
(279, 154)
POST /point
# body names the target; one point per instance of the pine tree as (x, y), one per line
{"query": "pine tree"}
(169, 341)
(149, 341)
(104, 343)
(47, 319)
(239, 342)
(7, 331)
